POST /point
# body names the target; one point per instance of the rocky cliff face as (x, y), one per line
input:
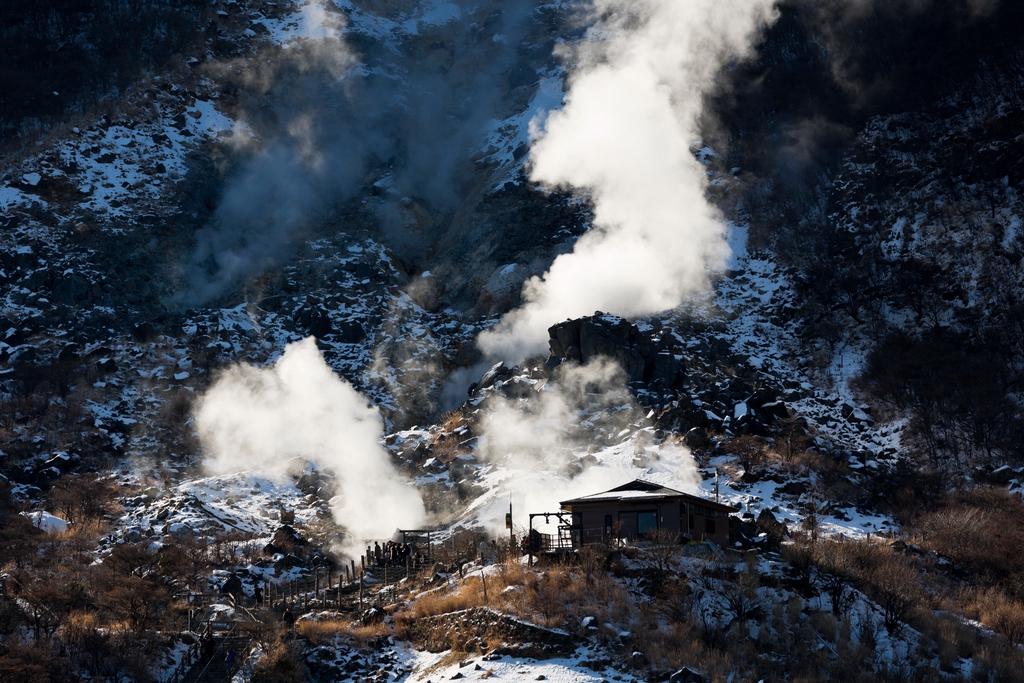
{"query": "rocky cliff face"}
(647, 356)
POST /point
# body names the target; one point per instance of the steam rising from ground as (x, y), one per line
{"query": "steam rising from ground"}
(274, 420)
(399, 117)
(537, 444)
(624, 134)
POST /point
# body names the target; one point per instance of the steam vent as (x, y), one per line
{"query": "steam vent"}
(423, 340)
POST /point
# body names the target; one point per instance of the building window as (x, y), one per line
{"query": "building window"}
(646, 522)
(709, 525)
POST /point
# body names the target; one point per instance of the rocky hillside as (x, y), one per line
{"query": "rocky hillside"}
(355, 172)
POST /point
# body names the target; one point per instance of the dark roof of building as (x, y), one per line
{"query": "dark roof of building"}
(639, 490)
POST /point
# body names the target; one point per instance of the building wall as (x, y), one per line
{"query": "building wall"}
(681, 517)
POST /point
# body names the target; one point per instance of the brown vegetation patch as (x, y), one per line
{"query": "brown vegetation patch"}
(487, 630)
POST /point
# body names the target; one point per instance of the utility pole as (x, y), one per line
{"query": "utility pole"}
(508, 525)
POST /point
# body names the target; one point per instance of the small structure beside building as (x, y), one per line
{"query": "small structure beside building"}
(632, 512)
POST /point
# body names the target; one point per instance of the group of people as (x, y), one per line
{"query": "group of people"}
(392, 554)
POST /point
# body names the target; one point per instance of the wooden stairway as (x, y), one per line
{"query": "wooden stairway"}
(217, 669)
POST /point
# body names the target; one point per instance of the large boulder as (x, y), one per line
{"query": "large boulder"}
(233, 585)
(70, 289)
(697, 439)
(288, 540)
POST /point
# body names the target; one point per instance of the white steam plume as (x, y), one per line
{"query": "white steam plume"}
(624, 134)
(537, 444)
(271, 420)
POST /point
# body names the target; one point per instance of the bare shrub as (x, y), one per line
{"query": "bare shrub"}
(1002, 614)
(895, 585)
(742, 596)
(23, 664)
(835, 570)
(954, 531)
(660, 550)
(78, 498)
(675, 603)
(281, 664)
(800, 556)
(951, 638)
(752, 452)
(826, 625)
(998, 662)
(791, 438)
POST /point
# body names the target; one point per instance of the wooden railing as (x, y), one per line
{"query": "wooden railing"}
(191, 656)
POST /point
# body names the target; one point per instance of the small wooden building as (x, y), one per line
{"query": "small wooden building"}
(641, 508)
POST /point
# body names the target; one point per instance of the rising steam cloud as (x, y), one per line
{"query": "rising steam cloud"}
(274, 420)
(624, 134)
(398, 118)
(538, 445)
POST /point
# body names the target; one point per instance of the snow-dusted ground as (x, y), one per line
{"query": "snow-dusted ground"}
(749, 297)
(440, 667)
(47, 522)
(509, 137)
(121, 168)
(245, 502)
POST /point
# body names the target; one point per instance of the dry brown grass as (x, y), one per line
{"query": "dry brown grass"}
(281, 664)
(981, 530)
(556, 597)
(322, 632)
(998, 662)
(328, 631)
(469, 594)
(560, 597)
(952, 639)
(445, 446)
(999, 612)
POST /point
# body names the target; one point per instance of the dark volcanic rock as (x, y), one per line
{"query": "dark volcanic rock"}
(497, 373)
(288, 539)
(645, 356)
(319, 324)
(70, 289)
(351, 332)
(697, 439)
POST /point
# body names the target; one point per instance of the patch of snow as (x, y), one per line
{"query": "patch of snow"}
(312, 21)
(11, 197)
(47, 522)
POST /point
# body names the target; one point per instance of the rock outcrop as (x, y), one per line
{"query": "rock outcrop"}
(644, 355)
(488, 630)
